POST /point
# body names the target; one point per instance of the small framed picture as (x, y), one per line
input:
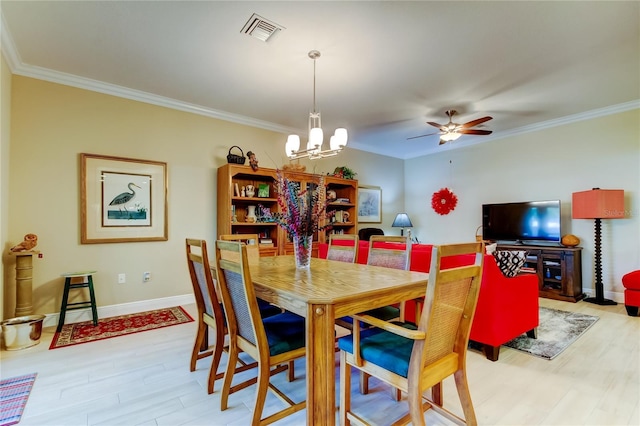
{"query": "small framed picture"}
(263, 190)
(369, 204)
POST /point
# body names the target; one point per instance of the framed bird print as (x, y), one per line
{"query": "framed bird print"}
(122, 200)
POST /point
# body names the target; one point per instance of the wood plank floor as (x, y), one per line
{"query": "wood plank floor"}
(144, 379)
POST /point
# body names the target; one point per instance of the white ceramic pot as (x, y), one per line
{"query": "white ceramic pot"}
(22, 332)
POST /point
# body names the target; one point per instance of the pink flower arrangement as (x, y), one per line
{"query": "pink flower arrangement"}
(301, 212)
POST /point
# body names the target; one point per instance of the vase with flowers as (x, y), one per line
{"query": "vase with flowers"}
(302, 213)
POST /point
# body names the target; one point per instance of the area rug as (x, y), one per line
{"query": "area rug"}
(84, 332)
(14, 393)
(557, 330)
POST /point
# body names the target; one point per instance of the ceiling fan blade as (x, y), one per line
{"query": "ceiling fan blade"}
(422, 136)
(475, 132)
(476, 122)
(439, 126)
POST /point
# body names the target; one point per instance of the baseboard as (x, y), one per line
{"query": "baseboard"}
(122, 309)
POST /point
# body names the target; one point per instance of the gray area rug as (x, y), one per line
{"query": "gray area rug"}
(557, 330)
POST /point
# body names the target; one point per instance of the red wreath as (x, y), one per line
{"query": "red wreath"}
(444, 201)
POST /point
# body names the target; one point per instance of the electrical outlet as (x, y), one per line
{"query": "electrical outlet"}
(122, 278)
(146, 277)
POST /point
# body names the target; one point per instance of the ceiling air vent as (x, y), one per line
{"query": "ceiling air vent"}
(260, 28)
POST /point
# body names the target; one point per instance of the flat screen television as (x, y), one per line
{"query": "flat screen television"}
(523, 222)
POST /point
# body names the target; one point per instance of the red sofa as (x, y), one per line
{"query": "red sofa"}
(507, 307)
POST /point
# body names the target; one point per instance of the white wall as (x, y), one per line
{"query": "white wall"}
(548, 164)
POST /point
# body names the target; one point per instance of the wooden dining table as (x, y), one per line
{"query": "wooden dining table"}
(325, 291)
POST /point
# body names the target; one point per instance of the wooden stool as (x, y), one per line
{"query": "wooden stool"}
(66, 306)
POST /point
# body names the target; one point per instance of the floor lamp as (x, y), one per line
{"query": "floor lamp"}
(598, 204)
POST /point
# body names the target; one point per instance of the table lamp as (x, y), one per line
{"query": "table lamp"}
(598, 204)
(402, 221)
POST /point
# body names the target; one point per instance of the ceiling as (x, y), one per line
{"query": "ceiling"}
(386, 67)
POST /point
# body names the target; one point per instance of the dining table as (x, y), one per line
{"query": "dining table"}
(325, 291)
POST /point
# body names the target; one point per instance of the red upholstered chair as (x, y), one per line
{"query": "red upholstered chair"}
(631, 283)
(507, 307)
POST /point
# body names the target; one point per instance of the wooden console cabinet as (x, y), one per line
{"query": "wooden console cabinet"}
(233, 207)
(559, 270)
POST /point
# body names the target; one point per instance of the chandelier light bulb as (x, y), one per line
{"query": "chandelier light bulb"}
(292, 145)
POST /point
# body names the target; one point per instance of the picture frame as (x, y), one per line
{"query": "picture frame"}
(369, 204)
(263, 190)
(122, 200)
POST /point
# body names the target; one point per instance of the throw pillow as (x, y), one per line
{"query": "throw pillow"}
(490, 248)
(510, 262)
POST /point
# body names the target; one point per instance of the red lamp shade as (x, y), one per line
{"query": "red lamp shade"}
(598, 204)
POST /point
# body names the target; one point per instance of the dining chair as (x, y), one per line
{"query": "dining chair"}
(210, 313)
(415, 358)
(253, 255)
(251, 240)
(381, 253)
(340, 252)
(271, 341)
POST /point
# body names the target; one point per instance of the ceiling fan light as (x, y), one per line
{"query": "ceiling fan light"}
(292, 146)
(448, 137)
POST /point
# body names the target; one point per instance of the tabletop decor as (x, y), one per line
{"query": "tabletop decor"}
(302, 213)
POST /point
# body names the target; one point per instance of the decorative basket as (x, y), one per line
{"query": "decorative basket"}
(294, 167)
(479, 234)
(235, 158)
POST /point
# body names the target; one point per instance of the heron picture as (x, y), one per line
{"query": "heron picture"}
(126, 199)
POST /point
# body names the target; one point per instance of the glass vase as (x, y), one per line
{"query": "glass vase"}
(302, 251)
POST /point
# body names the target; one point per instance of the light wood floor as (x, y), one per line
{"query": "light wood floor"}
(144, 379)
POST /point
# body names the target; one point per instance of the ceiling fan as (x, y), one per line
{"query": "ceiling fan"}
(452, 131)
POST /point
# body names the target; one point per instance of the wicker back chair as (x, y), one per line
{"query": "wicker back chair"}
(425, 355)
(251, 240)
(343, 253)
(389, 257)
(272, 341)
(210, 312)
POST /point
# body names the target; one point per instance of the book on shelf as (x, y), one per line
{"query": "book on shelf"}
(266, 241)
(528, 270)
(341, 200)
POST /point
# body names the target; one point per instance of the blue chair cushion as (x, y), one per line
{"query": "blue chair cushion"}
(385, 313)
(285, 332)
(267, 309)
(388, 350)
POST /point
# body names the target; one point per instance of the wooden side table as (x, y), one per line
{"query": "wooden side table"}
(71, 283)
(24, 281)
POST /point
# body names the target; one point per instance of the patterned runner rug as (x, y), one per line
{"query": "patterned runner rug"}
(83, 332)
(557, 330)
(14, 393)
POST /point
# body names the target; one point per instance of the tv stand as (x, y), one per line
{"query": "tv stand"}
(559, 270)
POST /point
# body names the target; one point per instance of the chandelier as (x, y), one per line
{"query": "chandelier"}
(314, 145)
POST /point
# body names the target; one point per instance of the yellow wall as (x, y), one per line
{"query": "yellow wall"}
(549, 164)
(5, 131)
(52, 124)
